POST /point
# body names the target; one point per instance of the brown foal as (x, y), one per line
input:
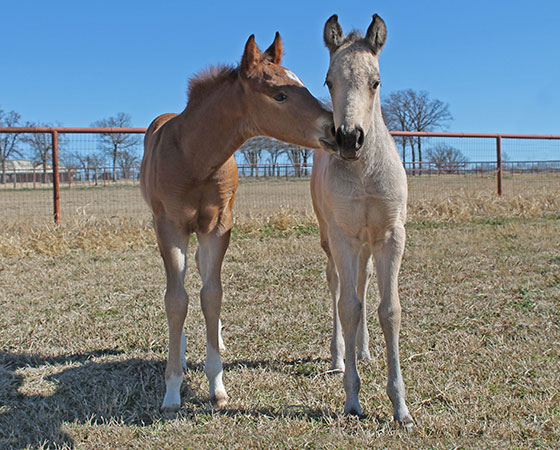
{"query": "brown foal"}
(189, 178)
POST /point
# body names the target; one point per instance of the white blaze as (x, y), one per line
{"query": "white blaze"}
(293, 76)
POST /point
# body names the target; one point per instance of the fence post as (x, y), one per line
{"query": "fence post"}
(56, 179)
(499, 164)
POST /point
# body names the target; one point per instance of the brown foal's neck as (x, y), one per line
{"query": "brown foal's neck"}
(213, 128)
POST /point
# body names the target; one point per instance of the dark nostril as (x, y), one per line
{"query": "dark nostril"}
(359, 136)
(333, 131)
(338, 136)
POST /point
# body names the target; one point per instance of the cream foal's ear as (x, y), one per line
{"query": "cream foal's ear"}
(275, 52)
(376, 35)
(251, 58)
(333, 36)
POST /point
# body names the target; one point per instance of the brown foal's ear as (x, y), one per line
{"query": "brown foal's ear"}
(333, 34)
(376, 35)
(275, 51)
(251, 57)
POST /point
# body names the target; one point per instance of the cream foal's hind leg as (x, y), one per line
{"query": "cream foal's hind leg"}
(212, 248)
(173, 247)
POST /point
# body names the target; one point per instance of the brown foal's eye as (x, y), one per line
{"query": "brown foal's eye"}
(280, 97)
(328, 84)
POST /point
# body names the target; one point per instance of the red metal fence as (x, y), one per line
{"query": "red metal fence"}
(54, 132)
(497, 136)
(491, 161)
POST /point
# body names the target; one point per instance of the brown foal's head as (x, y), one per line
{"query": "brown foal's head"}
(279, 104)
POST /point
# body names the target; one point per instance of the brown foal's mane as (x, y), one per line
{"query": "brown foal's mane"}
(205, 80)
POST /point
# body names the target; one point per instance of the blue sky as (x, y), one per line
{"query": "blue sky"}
(69, 62)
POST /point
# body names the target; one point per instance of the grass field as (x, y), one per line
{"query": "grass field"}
(83, 335)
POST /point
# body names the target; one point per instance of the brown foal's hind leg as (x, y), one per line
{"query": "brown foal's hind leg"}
(212, 248)
(173, 247)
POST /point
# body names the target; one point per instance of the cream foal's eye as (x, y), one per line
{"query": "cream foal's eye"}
(376, 84)
(328, 84)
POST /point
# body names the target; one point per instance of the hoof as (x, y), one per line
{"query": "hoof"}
(338, 369)
(353, 410)
(219, 400)
(364, 356)
(170, 409)
(406, 423)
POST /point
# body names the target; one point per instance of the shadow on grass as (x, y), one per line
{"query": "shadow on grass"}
(306, 367)
(83, 390)
(128, 392)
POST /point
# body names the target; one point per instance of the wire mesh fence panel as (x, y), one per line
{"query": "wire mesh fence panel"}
(99, 174)
(268, 196)
(26, 204)
(531, 166)
(442, 166)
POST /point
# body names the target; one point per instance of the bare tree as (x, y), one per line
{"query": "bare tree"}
(127, 162)
(395, 113)
(298, 156)
(80, 162)
(115, 143)
(306, 153)
(446, 158)
(273, 156)
(95, 162)
(252, 151)
(295, 154)
(409, 110)
(41, 147)
(8, 141)
(88, 164)
(274, 150)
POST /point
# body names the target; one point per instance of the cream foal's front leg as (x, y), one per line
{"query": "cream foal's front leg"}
(387, 261)
(365, 270)
(345, 252)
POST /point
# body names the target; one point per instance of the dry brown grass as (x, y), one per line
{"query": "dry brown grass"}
(83, 336)
(458, 207)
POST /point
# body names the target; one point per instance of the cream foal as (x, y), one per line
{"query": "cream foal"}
(359, 195)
